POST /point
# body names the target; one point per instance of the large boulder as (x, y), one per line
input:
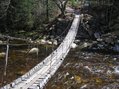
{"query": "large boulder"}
(2, 54)
(33, 51)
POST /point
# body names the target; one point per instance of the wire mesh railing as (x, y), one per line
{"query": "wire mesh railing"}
(43, 71)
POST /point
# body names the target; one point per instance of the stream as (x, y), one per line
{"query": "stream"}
(20, 62)
(94, 64)
(87, 70)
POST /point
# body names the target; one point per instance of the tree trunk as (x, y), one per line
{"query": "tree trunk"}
(62, 13)
(61, 6)
(47, 10)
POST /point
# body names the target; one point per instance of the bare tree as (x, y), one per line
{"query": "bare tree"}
(61, 5)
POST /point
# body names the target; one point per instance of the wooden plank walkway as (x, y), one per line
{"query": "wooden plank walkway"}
(38, 76)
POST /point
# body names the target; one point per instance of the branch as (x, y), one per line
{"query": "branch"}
(65, 2)
(60, 1)
(57, 4)
(12, 38)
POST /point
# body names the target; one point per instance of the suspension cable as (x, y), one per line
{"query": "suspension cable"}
(63, 31)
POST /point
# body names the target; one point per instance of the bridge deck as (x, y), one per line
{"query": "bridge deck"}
(38, 76)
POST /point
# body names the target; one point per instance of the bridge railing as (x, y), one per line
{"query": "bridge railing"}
(57, 56)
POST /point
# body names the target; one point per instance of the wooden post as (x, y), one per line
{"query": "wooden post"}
(6, 58)
(6, 62)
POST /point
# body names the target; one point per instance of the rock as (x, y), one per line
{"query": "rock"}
(30, 40)
(109, 40)
(76, 41)
(86, 44)
(49, 42)
(83, 87)
(97, 35)
(116, 70)
(55, 42)
(1, 42)
(38, 41)
(94, 42)
(73, 45)
(114, 59)
(33, 51)
(87, 68)
(87, 17)
(43, 41)
(99, 39)
(72, 78)
(117, 41)
(67, 74)
(109, 72)
(2, 54)
(116, 48)
(106, 42)
(100, 46)
(86, 57)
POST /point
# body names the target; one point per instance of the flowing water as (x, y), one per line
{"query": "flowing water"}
(87, 70)
(20, 62)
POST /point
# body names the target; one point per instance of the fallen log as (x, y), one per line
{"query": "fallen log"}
(12, 38)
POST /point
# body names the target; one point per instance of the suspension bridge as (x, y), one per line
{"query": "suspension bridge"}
(38, 76)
